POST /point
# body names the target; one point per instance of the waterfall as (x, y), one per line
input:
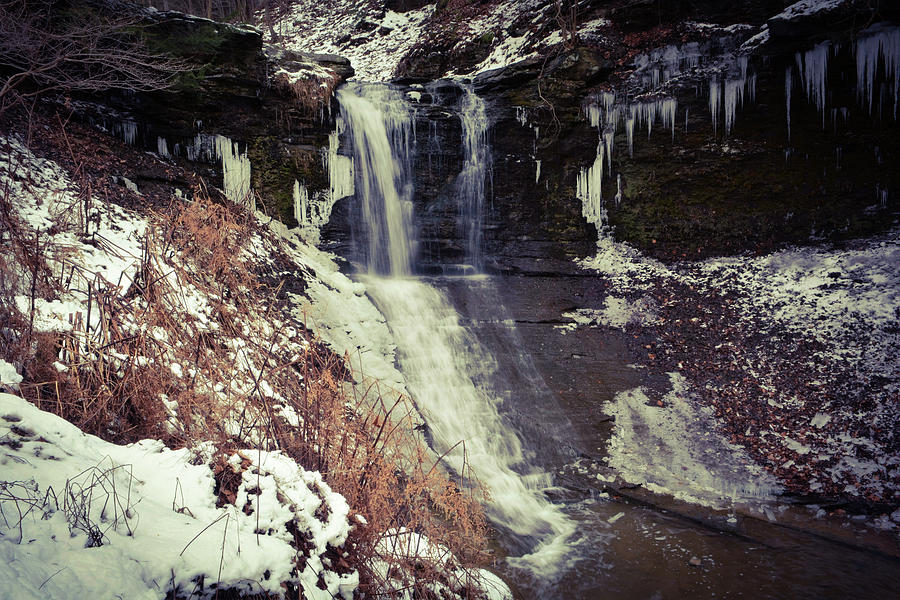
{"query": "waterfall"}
(379, 124)
(471, 181)
(445, 367)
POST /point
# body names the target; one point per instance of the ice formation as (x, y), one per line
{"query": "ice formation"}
(235, 172)
(715, 98)
(788, 83)
(338, 166)
(881, 43)
(589, 190)
(301, 203)
(813, 68)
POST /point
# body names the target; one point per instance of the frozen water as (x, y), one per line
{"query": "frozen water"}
(878, 43)
(235, 172)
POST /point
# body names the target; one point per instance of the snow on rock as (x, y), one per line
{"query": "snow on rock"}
(9, 376)
(847, 299)
(89, 519)
(844, 302)
(357, 31)
(672, 448)
(616, 313)
(805, 8)
(376, 40)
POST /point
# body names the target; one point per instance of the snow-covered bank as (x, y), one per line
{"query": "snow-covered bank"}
(83, 518)
(191, 322)
(796, 353)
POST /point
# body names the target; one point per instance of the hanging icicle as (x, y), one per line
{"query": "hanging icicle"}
(715, 98)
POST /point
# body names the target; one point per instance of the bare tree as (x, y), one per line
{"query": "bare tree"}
(52, 46)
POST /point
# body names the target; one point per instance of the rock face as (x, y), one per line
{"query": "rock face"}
(276, 105)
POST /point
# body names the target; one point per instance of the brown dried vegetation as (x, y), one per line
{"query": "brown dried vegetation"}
(252, 375)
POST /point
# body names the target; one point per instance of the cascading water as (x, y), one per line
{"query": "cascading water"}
(470, 183)
(379, 124)
(441, 359)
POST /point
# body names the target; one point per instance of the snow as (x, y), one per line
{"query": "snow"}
(845, 299)
(616, 313)
(805, 8)
(375, 54)
(141, 520)
(315, 27)
(673, 449)
(142, 542)
(47, 202)
(9, 376)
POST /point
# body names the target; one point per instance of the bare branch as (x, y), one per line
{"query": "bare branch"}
(50, 46)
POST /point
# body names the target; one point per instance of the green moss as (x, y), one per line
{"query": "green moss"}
(200, 43)
(275, 167)
(486, 38)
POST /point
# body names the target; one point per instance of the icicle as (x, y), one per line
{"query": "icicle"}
(521, 116)
(612, 118)
(629, 130)
(589, 190)
(608, 138)
(788, 83)
(667, 108)
(884, 42)
(715, 94)
(881, 196)
(537, 170)
(608, 99)
(235, 172)
(129, 132)
(686, 119)
(619, 194)
(813, 73)
(162, 147)
(592, 111)
(734, 95)
(301, 204)
(751, 89)
(339, 167)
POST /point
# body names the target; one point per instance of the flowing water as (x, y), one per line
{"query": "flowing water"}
(447, 372)
(481, 395)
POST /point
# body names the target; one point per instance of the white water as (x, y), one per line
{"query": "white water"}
(470, 184)
(441, 361)
(379, 123)
(444, 365)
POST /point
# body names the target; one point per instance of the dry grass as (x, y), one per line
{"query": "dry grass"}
(311, 94)
(251, 376)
